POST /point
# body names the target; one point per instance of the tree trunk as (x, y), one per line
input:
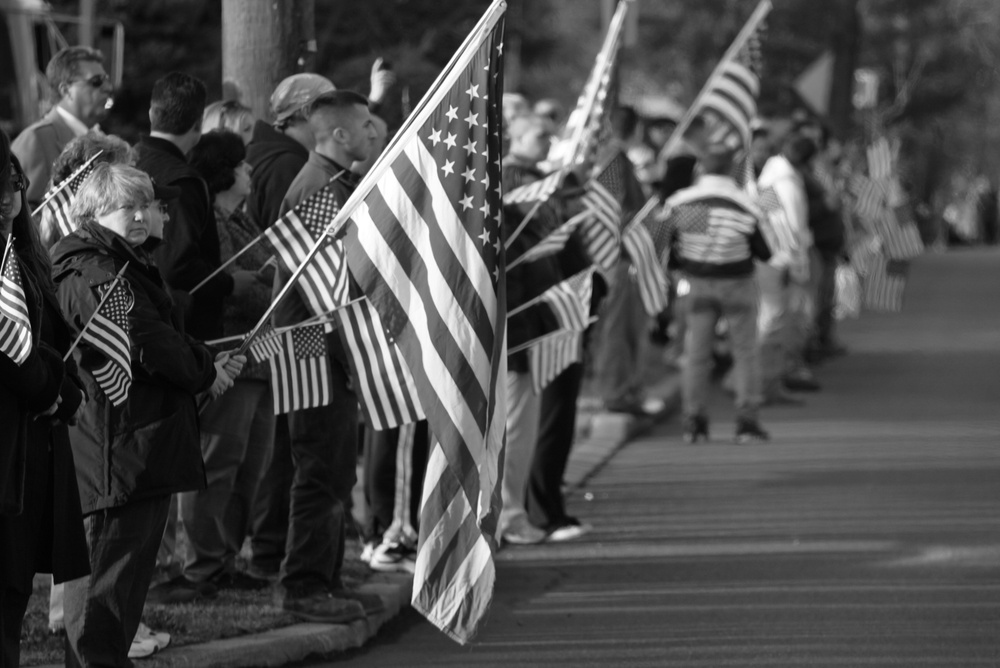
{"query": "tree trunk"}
(264, 41)
(846, 42)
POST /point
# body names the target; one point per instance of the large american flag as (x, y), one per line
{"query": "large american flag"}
(601, 231)
(426, 247)
(382, 380)
(107, 332)
(55, 211)
(300, 372)
(324, 282)
(15, 327)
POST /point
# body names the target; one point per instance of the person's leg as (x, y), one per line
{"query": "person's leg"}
(615, 363)
(380, 470)
(225, 430)
(102, 612)
(523, 407)
(13, 604)
(556, 431)
(772, 330)
(324, 451)
(702, 314)
(269, 526)
(260, 443)
(740, 310)
(825, 302)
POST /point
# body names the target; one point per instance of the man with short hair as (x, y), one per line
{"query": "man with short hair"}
(190, 251)
(324, 440)
(80, 90)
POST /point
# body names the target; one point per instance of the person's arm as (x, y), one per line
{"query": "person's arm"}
(36, 381)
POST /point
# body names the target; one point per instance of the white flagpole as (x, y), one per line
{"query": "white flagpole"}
(758, 15)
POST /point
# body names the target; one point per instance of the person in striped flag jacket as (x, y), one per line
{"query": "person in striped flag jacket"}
(711, 233)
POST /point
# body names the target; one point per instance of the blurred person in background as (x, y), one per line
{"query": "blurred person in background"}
(229, 115)
(81, 92)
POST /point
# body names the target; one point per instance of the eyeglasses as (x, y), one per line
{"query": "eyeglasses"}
(97, 80)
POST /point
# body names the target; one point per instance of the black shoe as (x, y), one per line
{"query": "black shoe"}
(749, 431)
(239, 581)
(695, 428)
(801, 381)
(323, 607)
(180, 590)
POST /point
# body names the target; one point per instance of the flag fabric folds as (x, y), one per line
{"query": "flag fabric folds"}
(537, 191)
(552, 243)
(551, 356)
(300, 372)
(55, 212)
(324, 283)
(884, 286)
(107, 332)
(650, 278)
(382, 380)
(425, 246)
(601, 232)
(15, 326)
(265, 346)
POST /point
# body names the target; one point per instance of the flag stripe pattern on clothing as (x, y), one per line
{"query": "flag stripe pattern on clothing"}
(551, 356)
(324, 282)
(15, 327)
(433, 269)
(383, 382)
(57, 208)
(300, 373)
(108, 334)
(652, 282)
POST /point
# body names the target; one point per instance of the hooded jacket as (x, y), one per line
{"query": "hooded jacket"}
(149, 445)
(276, 160)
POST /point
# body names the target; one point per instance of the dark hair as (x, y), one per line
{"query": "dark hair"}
(65, 66)
(336, 100)
(799, 149)
(624, 121)
(215, 156)
(80, 149)
(177, 103)
(30, 252)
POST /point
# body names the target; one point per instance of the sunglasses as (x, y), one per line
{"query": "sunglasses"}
(97, 80)
(18, 181)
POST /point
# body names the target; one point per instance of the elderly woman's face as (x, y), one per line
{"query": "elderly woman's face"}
(131, 223)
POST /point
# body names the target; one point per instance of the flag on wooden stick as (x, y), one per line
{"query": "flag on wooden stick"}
(300, 372)
(433, 269)
(58, 200)
(107, 332)
(15, 326)
(637, 243)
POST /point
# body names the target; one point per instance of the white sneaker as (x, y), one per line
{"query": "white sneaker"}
(142, 647)
(568, 532)
(393, 557)
(160, 638)
(525, 534)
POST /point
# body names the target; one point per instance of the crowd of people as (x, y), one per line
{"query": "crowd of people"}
(94, 488)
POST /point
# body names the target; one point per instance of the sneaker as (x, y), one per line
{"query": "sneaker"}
(569, 531)
(368, 550)
(525, 534)
(239, 581)
(372, 604)
(748, 430)
(323, 607)
(393, 557)
(695, 428)
(160, 638)
(141, 648)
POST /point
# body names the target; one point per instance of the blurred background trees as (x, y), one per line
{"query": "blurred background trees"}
(937, 60)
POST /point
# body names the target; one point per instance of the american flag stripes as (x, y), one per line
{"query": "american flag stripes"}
(55, 211)
(426, 248)
(382, 381)
(900, 241)
(551, 356)
(324, 282)
(300, 373)
(884, 287)
(265, 346)
(537, 191)
(569, 301)
(15, 326)
(775, 225)
(107, 332)
(601, 232)
(650, 278)
(551, 243)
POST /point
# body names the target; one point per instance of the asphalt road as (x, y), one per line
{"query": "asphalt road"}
(867, 533)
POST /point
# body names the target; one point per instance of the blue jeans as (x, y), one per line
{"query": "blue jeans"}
(102, 611)
(734, 299)
(621, 336)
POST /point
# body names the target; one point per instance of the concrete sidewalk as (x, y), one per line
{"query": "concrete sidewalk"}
(599, 436)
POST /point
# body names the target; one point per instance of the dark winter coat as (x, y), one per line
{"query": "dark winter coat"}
(190, 248)
(276, 160)
(149, 445)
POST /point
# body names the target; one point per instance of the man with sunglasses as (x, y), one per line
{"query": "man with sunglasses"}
(80, 90)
